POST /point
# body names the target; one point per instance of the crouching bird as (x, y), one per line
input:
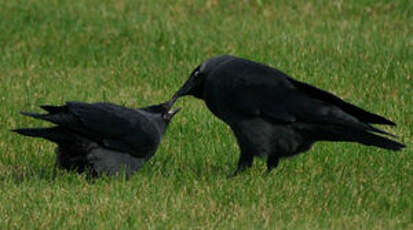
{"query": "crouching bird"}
(275, 116)
(103, 138)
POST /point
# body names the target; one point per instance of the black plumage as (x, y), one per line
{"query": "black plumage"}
(273, 115)
(103, 138)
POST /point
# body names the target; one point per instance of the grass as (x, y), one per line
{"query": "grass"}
(137, 53)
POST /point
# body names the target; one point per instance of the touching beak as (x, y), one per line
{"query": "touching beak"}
(184, 90)
(173, 112)
(173, 100)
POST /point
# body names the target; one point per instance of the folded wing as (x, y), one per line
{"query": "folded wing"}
(112, 126)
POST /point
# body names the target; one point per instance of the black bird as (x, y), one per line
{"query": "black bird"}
(273, 115)
(103, 138)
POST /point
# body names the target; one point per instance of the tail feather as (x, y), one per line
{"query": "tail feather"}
(60, 118)
(376, 130)
(55, 134)
(55, 109)
(36, 115)
(378, 141)
(72, 149)
(351, 134)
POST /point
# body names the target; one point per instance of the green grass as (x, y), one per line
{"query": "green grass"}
(137, 53)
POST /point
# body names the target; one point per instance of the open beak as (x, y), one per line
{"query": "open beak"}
(173, 112)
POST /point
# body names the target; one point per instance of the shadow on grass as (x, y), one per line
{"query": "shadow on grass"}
(18, 174)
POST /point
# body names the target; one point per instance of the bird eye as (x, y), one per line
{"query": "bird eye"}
(196, 74)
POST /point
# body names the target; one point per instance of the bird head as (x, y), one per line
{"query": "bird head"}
(194, 86)
(161, 115)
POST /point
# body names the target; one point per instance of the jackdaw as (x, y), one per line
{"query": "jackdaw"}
(103, 138)
(273, 115)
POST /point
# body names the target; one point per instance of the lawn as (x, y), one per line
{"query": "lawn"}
(137, 53)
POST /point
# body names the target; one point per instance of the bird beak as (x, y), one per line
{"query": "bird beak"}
(183, 91)
(173, 112)
(173, 100)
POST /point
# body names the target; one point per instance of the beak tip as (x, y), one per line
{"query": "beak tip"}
(175, 111)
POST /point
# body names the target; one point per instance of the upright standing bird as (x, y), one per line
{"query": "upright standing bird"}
(103, 138)
(273, 115)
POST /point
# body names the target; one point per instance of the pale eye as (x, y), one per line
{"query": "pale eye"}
(197, 73)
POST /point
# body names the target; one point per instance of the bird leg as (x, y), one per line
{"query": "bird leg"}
(245, 162)
(272, 162)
